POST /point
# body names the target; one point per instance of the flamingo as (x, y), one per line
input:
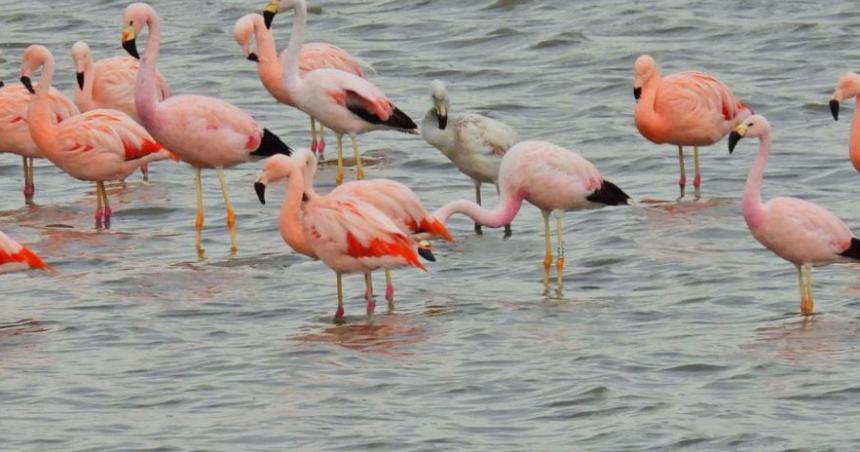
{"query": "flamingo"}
(15, 257)
(346, 233)
(314, 55)
(98, 145)
(15, 130)
(203, 131)
(798, 231)
(475, 144)
(684, 109)
(394, 199)
(109, 83)
(849, 86)
(555, 180)
(343, 102)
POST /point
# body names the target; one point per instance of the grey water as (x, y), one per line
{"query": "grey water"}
(675, 329)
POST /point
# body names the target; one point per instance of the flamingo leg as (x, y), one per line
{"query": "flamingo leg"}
(389, 290)
(547, 259)
(338, 179)
(338, 315)
(313, 135)
(682, 181)
(802, 285)
(560, 262)
(99, 207)
(478, 200)
(697, 179)
(231, 215)
(144, 169)
(368, 294)
(28, 194)
(808, 307)
(321, 145)
(107, 211)
(198, 184)
(359, 169)
(508, 231)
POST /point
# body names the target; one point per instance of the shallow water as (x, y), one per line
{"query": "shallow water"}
(675, 329)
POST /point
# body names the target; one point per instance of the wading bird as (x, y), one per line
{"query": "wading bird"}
(849, 87)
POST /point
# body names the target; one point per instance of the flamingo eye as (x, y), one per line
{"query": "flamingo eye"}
(750, 125)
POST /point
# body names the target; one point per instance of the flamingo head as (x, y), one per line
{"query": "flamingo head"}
(440, 102)
(644, 68)
(134, 18)
(33, 59)
(278, 167)
(243, 33)
(754, 126)
(848, 86)
(83, 58)
(425, 250)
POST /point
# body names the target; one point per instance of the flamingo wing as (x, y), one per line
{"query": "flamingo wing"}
(106, 131)
(485, 135)
(320, 55)
(14, 256)
(695, 93)
(207, 120)
(803, 222)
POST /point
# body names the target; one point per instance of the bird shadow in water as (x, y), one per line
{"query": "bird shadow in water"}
(810, 336)
(383, 334)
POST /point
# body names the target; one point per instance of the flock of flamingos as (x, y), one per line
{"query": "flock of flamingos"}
(124, 117)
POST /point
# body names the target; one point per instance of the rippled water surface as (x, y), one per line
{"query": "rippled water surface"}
(675, 329)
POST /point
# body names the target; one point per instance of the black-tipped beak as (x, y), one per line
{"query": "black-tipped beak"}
(2, 84)
(443, 122)
(80, 80)
(260, 188)
(834, 109)
(734, 137)
(268, 17)
(130, 46)
(637, 92)
(28, 84)
(253, 57)
(427, 254)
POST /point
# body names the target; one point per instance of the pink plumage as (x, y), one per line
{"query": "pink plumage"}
(798, 231)
(15, 257)
(849, 87)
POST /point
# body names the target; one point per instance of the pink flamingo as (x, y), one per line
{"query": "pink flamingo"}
(684, 109)
(204, 131)
(798, 231)
(848, 87)
(347, 233)
(343, 102)
(15, 257)
(15, 130)
(313, 56)
(394, 199)
(554, 179)
(109, 83)
(98, 145)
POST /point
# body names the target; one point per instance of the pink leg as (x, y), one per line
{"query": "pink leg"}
(389, 290)
(99, 216)
(321, 147)
(107, 217)
(368, 294)
(313, 136)
(338, 314)
(144, 169)
(29, 191)
(682, 181)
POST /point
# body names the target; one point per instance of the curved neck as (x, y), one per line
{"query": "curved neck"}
(289, 221)
(291, 63)
(145, 89)
(40, 115)
(752, 204)
(84, 96)
(268, 67)
(509, 205)
(854, 145)
(645, 112)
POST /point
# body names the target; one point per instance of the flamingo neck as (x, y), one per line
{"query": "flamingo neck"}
(40, 116)
(289, 221)
(509, 205)
(145, 89)
(648, 120)
(268, 68)
(854, 146)
(752, 205)
(84, 96)
(297, 38)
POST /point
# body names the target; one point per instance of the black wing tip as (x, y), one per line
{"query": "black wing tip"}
(853, 251)
(609, 194)
(270, 145)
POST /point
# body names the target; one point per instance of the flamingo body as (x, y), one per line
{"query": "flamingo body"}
(15, 257)
(15, 135)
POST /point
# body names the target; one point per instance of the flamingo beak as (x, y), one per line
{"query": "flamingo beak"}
(28, 84)
(80, 76)
(260, 188)
(834, 109)
(637, 92)
(736, 135)
(269, 13)
(128, 41)
(2, 84)
(253, 57)
(425, 252)
(442, 114)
